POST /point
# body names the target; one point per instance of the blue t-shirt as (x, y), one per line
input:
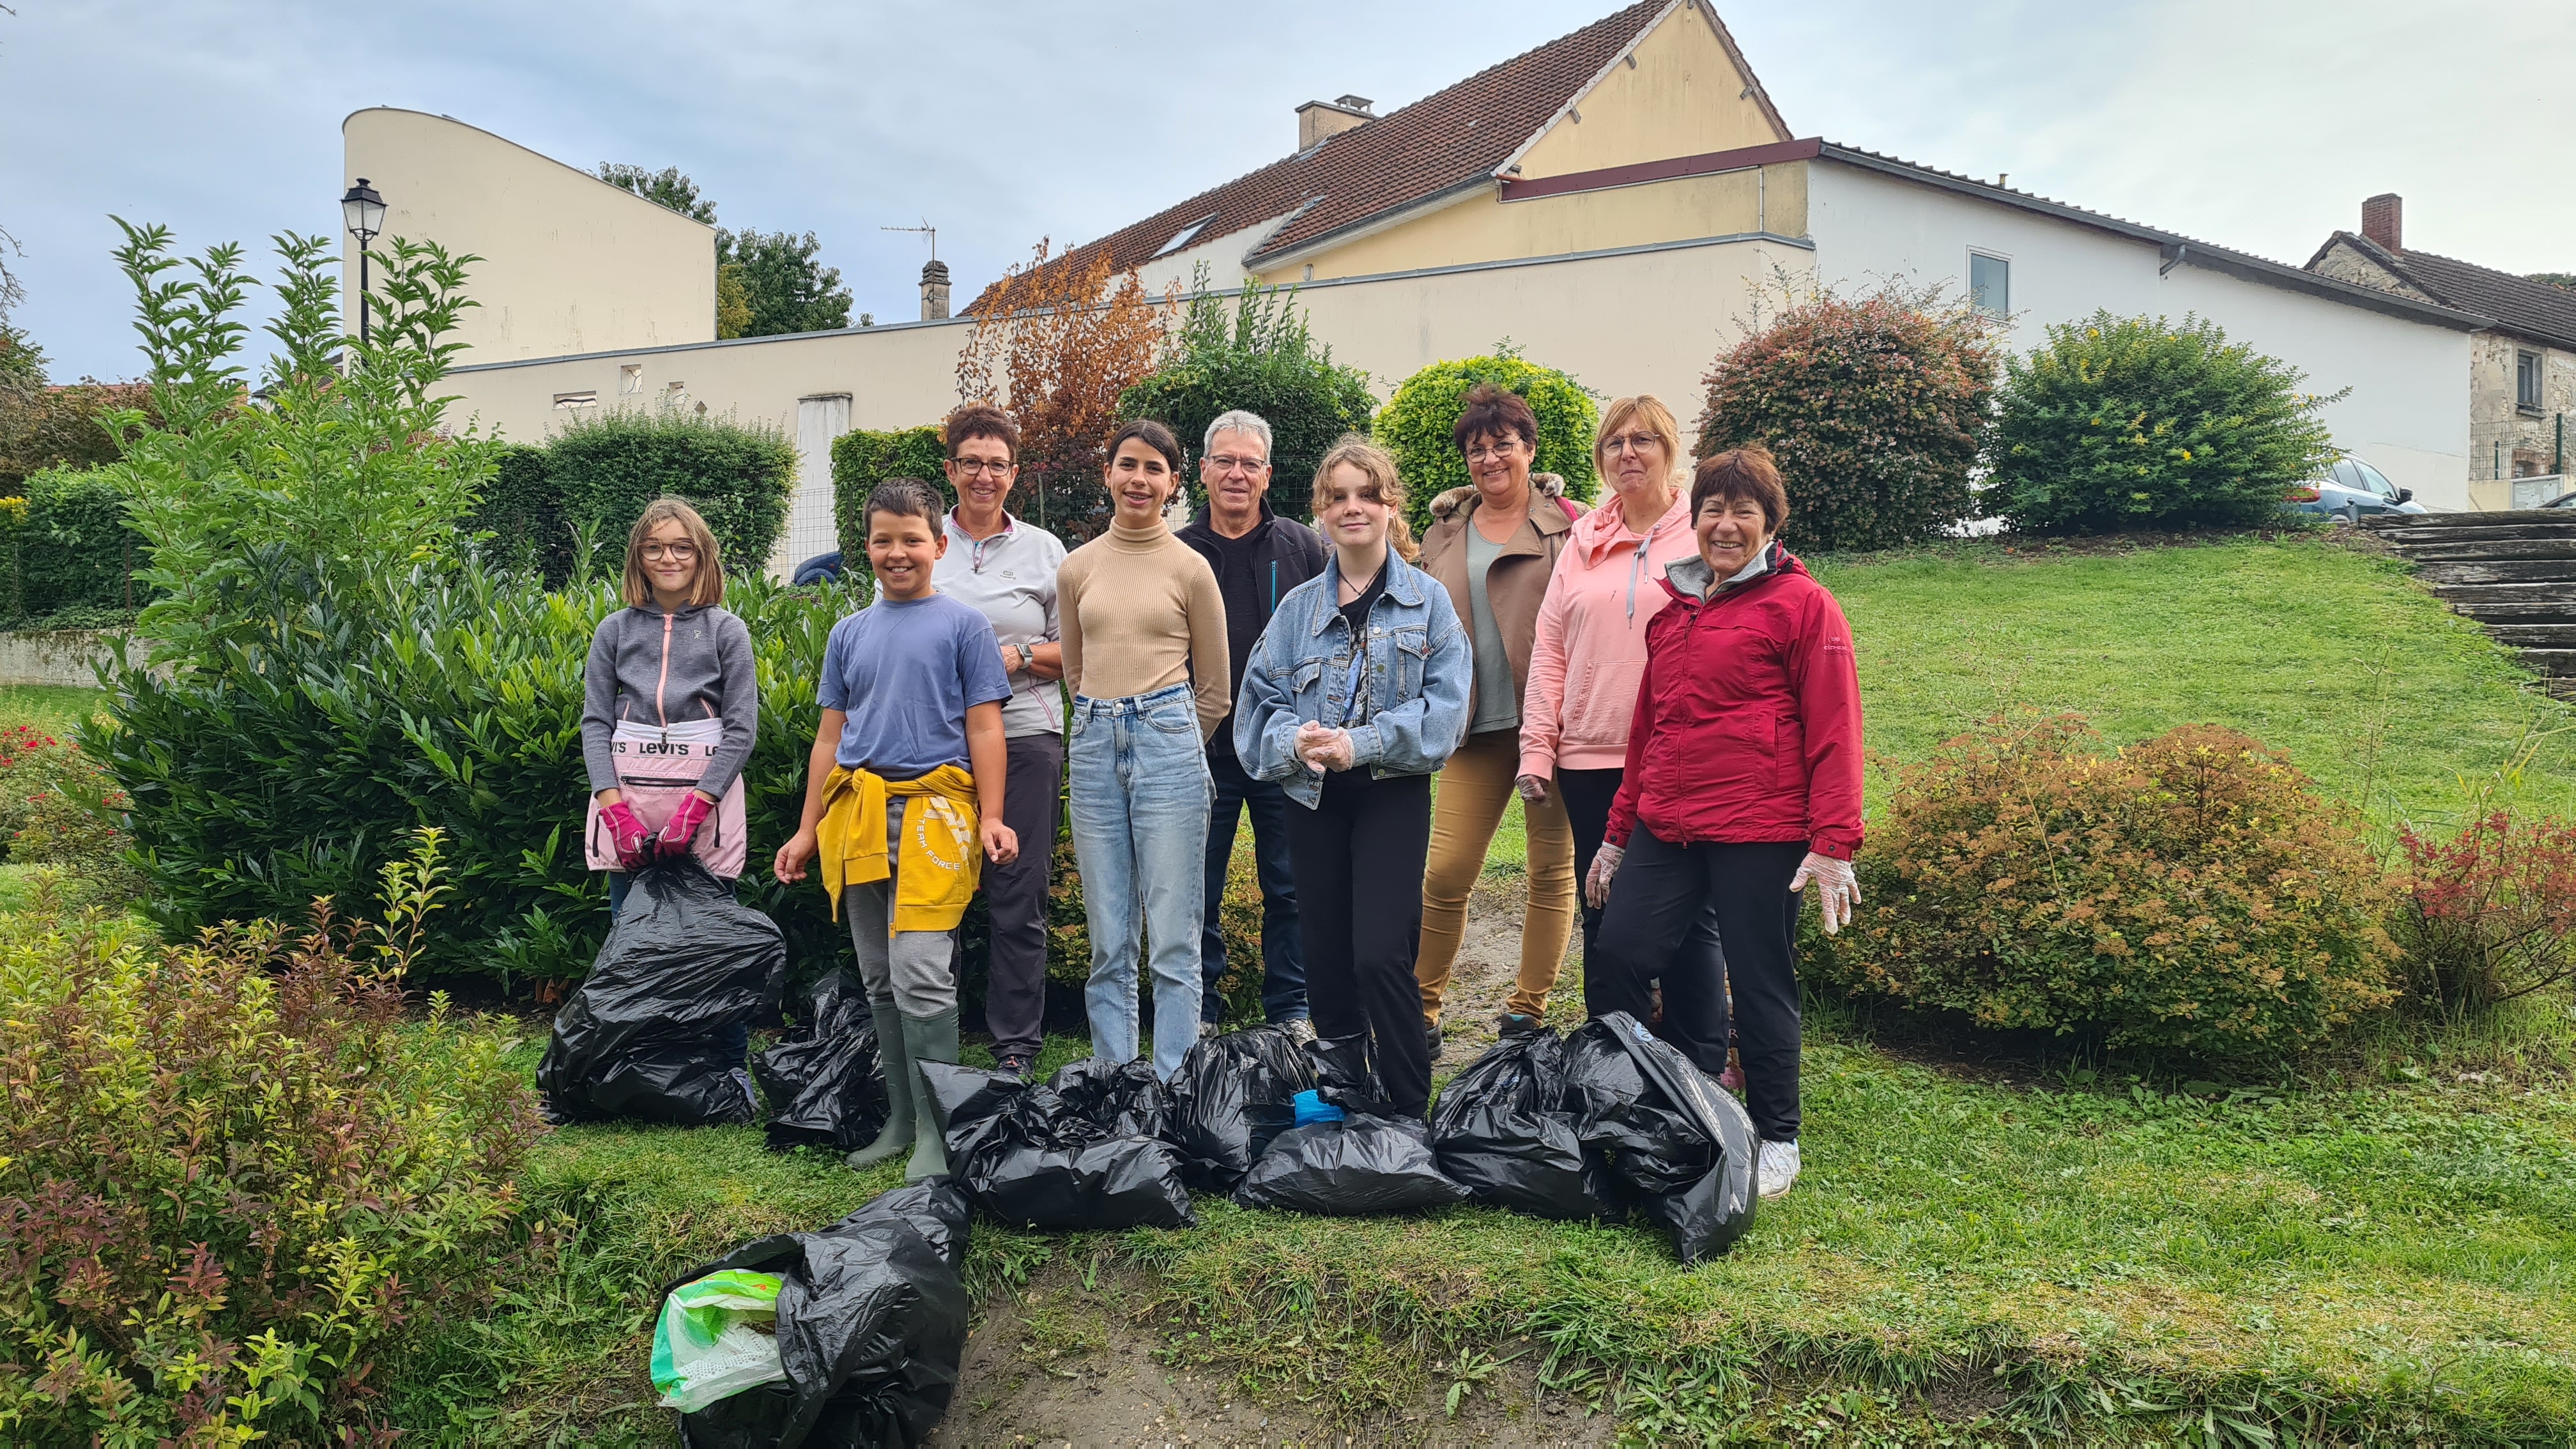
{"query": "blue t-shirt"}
(906, 672)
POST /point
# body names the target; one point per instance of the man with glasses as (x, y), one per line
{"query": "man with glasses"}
(1258, 557)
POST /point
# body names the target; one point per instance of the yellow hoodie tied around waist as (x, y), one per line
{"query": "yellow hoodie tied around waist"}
(942, 853)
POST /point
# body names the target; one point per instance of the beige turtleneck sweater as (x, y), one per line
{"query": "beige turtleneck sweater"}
(1141, 612)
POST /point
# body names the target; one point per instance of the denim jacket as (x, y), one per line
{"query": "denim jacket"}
(1419, 664)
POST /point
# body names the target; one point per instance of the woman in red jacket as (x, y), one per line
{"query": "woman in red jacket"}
(1742, 788)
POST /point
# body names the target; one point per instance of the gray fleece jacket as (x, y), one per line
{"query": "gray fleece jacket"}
(651, 668)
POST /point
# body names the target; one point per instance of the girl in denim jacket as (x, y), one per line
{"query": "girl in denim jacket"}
(1354, 697)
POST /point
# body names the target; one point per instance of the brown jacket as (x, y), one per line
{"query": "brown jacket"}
(1516, 581)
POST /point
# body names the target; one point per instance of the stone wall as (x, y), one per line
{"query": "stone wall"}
(2504, 440)
(53, 656)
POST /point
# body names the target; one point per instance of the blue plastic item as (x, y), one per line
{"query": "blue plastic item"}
(1312, 1108)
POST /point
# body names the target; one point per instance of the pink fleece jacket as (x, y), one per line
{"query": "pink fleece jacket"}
(1591, 646)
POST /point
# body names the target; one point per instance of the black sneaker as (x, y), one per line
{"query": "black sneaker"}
(1431, 1038)
(1514, 1024)
(1015, 1064)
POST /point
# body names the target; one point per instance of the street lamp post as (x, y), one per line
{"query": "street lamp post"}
(364, 211)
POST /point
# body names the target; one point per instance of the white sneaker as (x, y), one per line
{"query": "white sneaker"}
(1207, 1029)
(1778, 1167)
(1300, 1030)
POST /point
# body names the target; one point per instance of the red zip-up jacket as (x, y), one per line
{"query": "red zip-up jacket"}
(1748, 721)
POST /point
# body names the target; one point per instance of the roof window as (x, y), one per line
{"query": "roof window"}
(1186, 235)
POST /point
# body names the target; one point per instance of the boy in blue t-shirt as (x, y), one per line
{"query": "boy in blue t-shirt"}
(909, 761)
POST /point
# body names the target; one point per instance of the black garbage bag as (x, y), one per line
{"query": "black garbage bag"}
(1025, 1153)
(683, 961)
(872, 1319)
(1501, 1130)
(1668, 1131)
(1350, 1168)
(1126, 1099)
(826, 1081)
(1230, 1098)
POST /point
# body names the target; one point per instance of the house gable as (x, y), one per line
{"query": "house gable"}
(1682, 89)
(2348, 258)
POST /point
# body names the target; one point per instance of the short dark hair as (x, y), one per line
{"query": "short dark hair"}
(980, 420)
(905, 498)
(1746, 472)
(1491, 411)
(1152, 434)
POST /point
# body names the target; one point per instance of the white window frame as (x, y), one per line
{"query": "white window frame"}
(2539, 371)
(1970, 277)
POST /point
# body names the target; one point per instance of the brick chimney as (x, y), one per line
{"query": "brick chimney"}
(2383, 220)
(1319, 119)
(934, 291)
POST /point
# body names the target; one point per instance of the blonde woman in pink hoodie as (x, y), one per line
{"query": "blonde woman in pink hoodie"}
(1591, 646)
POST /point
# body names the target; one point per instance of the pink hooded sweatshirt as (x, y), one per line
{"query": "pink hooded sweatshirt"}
(1591, 648)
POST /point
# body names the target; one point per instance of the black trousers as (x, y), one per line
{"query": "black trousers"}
(1588, 794)
(1660, 893)
(1015, 986)
(1359, 857)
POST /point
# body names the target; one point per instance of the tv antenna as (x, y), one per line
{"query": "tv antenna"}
(926, 229)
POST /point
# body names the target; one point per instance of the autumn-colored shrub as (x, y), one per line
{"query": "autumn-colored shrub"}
(1875, 406)
(2490, 914)
(2191, 894)
(232, 1177)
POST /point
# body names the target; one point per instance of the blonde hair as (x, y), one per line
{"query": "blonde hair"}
(1649, 409)
(1384, 487)
(709, 588)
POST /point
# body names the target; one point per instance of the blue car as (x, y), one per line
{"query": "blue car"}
(2353, 491)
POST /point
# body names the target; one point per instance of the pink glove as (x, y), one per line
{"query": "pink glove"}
(626, 835)
(676, 836)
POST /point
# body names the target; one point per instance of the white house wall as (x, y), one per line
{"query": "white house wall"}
(2407, 410)
(1649, 320)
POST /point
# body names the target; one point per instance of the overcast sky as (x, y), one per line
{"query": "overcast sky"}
(2258, 124)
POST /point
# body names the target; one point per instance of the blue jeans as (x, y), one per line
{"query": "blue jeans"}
(734, 1042)
(1283, 963)
(1139, 794)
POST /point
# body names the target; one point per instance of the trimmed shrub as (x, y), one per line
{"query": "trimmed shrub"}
(232, 1176)
(70, 552)
(2191, 894)
(1256, 355)
(277, 771)
(2490, 914)
(605, 469)
(1875, 407)
(861, 460)
(2136, 422)
(521, 511)
(1416, 422)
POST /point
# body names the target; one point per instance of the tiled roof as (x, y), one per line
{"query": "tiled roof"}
(2519, 305)
(1445, 140)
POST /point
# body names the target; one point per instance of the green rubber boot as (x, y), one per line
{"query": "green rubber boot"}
(902, 1085)
(928, 1039)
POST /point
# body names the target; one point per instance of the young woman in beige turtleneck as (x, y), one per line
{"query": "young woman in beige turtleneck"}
(1145, 658)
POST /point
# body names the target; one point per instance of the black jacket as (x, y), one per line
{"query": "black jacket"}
(1253, 573)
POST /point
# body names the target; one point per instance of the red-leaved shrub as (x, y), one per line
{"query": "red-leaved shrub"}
(2192, 893)
(2490, 914)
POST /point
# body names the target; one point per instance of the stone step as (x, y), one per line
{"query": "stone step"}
(2540, 593)
(2432, 522)
(2409, 543)
(2524, 615)
(2502, 571)
(2551, 663)
(2485, 549)
(2535, 636)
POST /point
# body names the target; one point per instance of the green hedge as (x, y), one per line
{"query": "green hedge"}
(1256, 355)
(594, 476)
(861, 460)
(1416, 423)
(69, 554)
(271, 774)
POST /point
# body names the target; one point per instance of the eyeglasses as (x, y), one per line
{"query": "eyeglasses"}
(678, 552)
(978, 467)
(1632, 443)
(1228, 463)
(1484, 451)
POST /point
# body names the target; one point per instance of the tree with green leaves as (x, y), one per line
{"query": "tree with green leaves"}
(785, 288)
(1255, 354)
(667, 187)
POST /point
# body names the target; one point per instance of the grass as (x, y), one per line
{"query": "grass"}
(53, 708)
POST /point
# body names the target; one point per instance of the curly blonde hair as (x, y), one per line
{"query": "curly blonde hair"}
(1378, 466)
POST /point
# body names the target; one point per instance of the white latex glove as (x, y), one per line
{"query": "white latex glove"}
(1837, 888)
(1605, 864)
(1533, 790)
(1322, 747)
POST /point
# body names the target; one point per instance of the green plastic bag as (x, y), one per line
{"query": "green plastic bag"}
(717, 1337)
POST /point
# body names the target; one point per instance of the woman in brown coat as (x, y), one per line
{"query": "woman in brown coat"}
(1493, 545)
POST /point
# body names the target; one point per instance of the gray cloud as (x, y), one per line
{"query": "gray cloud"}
(2258, 125)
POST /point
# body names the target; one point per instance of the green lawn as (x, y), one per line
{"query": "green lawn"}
(52, 708)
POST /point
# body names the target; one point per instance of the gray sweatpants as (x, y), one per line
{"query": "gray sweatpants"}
(914, 966)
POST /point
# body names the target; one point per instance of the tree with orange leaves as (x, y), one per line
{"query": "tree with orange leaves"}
(1065, 339)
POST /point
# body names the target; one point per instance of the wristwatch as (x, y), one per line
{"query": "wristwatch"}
(1028, 657)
